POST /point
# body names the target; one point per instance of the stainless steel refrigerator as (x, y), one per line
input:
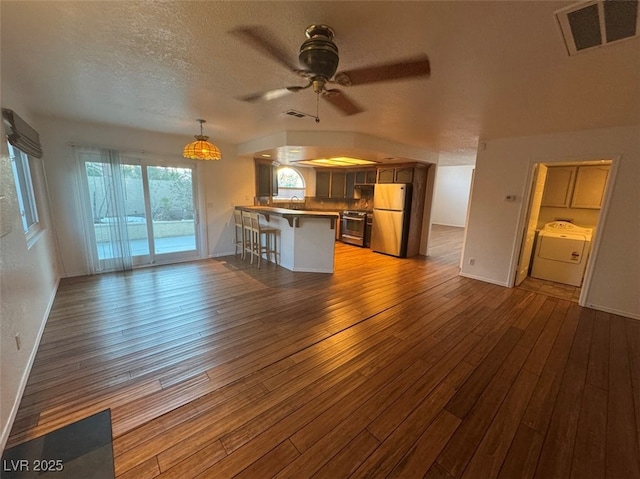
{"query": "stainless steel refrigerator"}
(391, 203)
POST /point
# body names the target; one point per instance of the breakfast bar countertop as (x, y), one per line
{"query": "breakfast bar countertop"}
(292, 216)
(305, 239)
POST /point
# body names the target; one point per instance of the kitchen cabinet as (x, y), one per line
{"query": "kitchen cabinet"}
(589, 186)
(350, 185)
(338, 184)
(395, 175)
(403, 175)
(386, 175)
(266, 178)
(323, 182)
(558, 186)
(331, 184)
(366, 177)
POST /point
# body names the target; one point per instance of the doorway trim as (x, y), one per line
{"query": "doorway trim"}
(602, 216)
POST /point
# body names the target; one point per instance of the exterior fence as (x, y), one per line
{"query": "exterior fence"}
(161, 229)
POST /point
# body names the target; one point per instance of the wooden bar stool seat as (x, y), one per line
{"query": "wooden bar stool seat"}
(239, 233)
(247, 235)
(260, 232)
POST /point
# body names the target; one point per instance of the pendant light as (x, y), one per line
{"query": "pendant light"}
(201, 149)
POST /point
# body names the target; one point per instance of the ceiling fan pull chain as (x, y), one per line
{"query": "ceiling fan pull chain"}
(317, 107)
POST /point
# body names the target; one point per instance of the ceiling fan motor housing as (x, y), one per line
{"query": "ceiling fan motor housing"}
(319, 54)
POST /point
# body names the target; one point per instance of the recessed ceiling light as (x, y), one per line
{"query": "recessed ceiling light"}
(266, 155)
(338, 161)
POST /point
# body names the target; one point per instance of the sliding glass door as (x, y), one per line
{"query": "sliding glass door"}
(140, 212)
(173, 215)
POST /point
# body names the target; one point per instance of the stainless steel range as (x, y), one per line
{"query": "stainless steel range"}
(353, 227)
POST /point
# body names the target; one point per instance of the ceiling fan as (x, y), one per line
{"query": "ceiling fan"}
(319, 57)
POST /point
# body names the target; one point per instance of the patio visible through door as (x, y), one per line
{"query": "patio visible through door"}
(141, 213)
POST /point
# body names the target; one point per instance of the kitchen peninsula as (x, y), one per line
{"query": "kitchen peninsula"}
(306, 241)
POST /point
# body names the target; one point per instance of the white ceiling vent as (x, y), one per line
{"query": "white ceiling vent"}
(593, 24)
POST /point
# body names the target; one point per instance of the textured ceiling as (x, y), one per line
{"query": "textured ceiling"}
(499, 69)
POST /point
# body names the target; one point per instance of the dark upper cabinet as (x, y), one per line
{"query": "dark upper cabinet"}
(366, 177)
(338, 184)
(395, 175)
(371, 177)
(323, 182)
(403, 175)
(331, 184)
(350, 185)
(266, 178)
(386, 175)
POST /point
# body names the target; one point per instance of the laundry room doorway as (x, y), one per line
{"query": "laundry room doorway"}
(566, 204)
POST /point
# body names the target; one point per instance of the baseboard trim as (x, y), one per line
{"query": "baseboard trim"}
(486, 280)
(617, 312)
(448, 224)
(25, 376)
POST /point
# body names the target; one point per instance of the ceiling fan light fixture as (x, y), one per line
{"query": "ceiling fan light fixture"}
(318, 53)
(201, 149)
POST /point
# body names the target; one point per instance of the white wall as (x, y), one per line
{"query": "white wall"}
(451, 196)
(223, 183)
(494, 229)
(28, 276)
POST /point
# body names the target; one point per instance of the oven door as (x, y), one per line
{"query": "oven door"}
(352, 229)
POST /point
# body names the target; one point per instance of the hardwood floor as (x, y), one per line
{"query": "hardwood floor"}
(387, 368)
(550, 288)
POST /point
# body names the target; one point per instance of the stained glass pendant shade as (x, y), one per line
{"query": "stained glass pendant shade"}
(201, 149)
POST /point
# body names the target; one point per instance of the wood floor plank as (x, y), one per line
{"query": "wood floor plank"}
(460, 449)
(540, 407)
(466, 397)
(554, 314)
(385, 458)
(623, 455)
(493, 448)
(522, 458)
(271, 463)
(633, 335)
(386, 368)
(590, 446)
(557, 451)
(424, 452)
(147, 470)
(343, 464)
(598, 370)
(409, 399)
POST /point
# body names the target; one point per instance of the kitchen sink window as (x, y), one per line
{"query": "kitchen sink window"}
(290, 184)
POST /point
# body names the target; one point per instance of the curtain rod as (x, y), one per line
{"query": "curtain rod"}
(128, 152)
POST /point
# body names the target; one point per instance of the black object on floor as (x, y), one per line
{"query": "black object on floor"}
(81, 450)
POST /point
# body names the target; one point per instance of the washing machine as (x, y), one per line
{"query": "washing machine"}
(561, 253)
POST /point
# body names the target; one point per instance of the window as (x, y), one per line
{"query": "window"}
(24, 190)
(290, 184)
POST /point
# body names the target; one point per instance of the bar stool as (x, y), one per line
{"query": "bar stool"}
(247, 235)
(239, 233)
(257, 247)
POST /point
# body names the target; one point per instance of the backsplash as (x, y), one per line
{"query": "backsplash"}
(313, 203)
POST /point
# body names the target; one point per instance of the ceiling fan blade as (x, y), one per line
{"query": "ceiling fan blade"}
(267, 95)
(342, 102)
(260, 39)
(415, 67)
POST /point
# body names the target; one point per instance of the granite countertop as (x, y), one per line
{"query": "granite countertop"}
(291, 216)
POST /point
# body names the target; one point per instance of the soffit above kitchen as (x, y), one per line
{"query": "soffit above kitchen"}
(295, 147)
(497, 69)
